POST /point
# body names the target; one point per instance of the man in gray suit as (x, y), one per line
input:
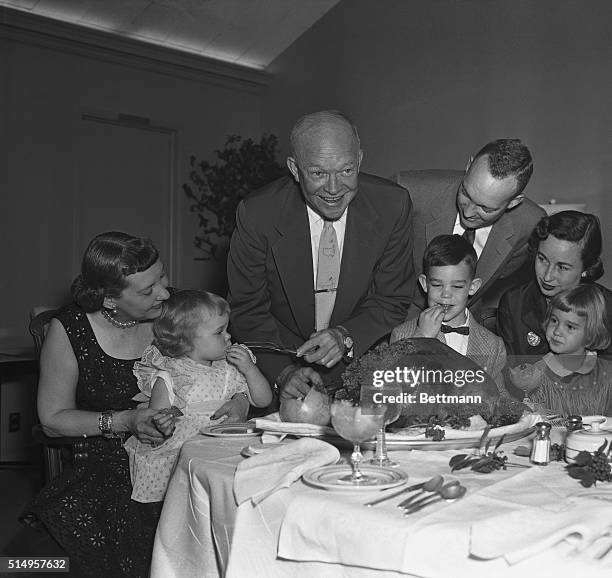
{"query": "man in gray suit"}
(487, 206)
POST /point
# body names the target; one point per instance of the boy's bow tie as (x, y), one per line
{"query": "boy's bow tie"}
(463, 330)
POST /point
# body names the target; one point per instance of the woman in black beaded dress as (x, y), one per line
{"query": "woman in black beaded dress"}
(86, 388)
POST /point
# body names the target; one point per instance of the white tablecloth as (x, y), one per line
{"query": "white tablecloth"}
(304, 532)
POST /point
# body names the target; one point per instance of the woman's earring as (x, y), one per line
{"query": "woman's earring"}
(583, 274)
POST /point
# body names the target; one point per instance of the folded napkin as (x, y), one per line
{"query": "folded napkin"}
(335, 528)
(262, 475)
(272, 423)
(526, 422)
(528, 532)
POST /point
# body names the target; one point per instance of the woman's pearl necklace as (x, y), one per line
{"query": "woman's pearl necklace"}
(116, 323)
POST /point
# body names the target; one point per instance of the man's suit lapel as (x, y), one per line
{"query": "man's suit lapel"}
(496, 251)
(293, 257)
(359, 255)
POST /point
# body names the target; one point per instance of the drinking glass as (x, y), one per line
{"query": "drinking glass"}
(356, 426)
(391, 394)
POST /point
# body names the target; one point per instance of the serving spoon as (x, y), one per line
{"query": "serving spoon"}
(433, 485)
(449, 492)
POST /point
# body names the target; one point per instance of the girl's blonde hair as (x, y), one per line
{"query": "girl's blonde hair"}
(182, 312)
(586, 301)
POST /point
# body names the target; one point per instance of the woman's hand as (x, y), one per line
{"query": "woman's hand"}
(140, 423)
(236, 409)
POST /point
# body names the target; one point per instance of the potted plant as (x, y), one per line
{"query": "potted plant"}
(217, 188)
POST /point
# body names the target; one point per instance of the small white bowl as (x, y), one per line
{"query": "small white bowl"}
(589, 439)
(590, 419)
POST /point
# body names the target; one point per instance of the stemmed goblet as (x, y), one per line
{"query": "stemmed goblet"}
(390, 395)
(356, 424)
(526, 377)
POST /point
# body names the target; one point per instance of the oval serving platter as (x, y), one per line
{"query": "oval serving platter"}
(231, 430)
(451, 444)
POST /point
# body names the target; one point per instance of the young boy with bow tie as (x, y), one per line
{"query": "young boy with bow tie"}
(449, 266)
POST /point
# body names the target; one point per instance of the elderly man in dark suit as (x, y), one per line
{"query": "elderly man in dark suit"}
(321, 260)
(486, 205)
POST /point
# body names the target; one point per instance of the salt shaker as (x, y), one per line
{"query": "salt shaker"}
(540, 453)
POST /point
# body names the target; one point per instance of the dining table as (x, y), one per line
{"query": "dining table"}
(525, 520)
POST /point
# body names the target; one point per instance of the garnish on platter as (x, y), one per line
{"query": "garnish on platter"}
(471, 418)
(485, 461)
(593, 467)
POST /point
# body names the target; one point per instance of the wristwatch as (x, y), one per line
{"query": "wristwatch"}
(347, 340)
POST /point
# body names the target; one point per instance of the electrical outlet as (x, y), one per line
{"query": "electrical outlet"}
(14, 421)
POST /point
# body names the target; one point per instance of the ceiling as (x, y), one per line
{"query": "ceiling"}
(250, 33)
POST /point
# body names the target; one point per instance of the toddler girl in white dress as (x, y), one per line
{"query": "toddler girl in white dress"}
(192, 366)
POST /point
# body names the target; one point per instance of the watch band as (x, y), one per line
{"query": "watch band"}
(347, 341)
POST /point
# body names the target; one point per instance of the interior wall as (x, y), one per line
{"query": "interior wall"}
(44, 90)
(428, 82)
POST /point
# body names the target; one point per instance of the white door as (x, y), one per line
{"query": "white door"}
(125, 182)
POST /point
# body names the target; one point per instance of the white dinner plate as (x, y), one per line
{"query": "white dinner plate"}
(231, 430)
(331, 478)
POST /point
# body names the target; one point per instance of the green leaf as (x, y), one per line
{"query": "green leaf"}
(523, 451)
(499, 443)
(484, 436)
(465, 463)
(583, 459)
(588, 480)
(481, 462)
(576, 472)
(457, 459)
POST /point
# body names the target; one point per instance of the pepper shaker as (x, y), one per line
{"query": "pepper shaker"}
(574, 422)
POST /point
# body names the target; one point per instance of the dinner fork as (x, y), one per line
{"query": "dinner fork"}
(556, 420)
(269, 346)
(272, 346)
